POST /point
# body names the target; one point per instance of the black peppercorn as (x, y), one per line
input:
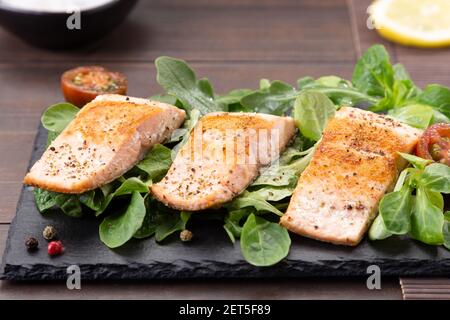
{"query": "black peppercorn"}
(31, 244)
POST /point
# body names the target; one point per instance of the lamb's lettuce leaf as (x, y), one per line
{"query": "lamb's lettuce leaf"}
(312, 110)
(179, 80)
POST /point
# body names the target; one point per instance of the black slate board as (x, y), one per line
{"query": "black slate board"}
(210, 255)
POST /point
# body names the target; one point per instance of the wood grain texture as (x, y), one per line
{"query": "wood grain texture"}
(15, 151)
(425, 288)
(215, 31)
(363, 35)
(293, 289)
(426, 66)
(310, 289)
(9, 196)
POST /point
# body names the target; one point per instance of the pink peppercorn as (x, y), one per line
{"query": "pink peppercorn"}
(55, 248)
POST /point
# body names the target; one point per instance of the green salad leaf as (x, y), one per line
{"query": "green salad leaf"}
(338, 90)
(435, 198)
(156, 163)
(277, 175)
(416, 115)
(286, 171)
(131, 185)
(44, 199)
(273, 193)
(427, 220)
(206, 87)
(395, 209)
(127, 187)
(117, 229)
(378, 230)
(58, 116)
(178, 79)
(332, 81)
(183, 134)
(69, 204)
(400, 72)
(167, 98)
(446, 230)
(232, 100)
(312, 111)
(417, 162)
(421, 214)
(255, 200)
(51, 136)
(276, 99)
(264, 243)
(436, 96)
(374, 74)
(168, 223)
(345, 96)
(233, 222)
(264, 84)
(436, 177)
(402, 94)
(148, 227)
(439, 117)
(92, 199)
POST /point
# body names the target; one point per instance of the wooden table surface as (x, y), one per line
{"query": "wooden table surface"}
(234, 43)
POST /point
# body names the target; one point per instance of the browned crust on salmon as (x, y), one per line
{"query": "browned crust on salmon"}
(353, 166)
(106, 139)
(194, 186)
(336, 169)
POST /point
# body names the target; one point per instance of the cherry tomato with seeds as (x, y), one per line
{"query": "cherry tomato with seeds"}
(82, 84)
(435, 143)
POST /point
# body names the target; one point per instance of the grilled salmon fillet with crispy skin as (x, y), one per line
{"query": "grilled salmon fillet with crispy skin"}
(222, 157)
(354, 165)
(106, 139)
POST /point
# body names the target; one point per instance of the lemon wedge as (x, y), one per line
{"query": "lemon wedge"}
(420, 23)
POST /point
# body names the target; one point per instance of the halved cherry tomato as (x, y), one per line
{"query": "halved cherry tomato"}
(81, 85)
(435, 143)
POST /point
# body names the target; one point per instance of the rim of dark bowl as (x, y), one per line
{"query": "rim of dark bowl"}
(39, 13)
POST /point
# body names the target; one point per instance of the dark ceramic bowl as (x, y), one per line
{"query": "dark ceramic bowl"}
(49, 29)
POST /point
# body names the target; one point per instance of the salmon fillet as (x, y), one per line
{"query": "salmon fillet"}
(106, 139)
(353, 166)
(222, 157)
